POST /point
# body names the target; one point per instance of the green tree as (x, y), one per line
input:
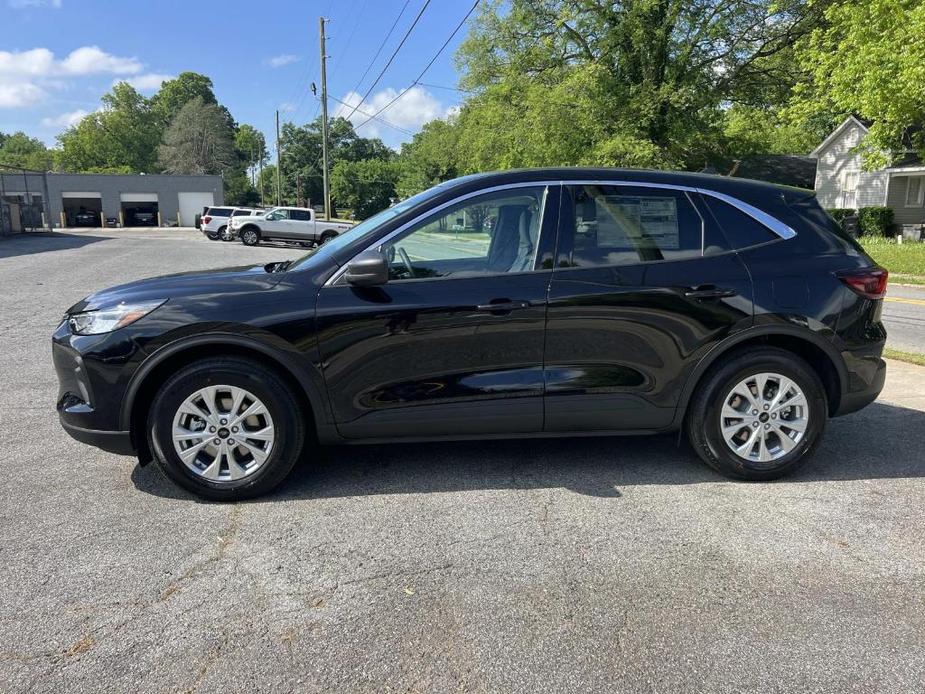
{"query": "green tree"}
(250, 144)
(27, 152)
(634, 83)
(367, 186)
(302, 159)
(429, 158)
(122, 137)
(869, 60)
(198, 141)
(176, 93)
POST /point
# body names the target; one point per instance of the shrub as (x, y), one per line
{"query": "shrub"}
(839, 213)
(875, 221)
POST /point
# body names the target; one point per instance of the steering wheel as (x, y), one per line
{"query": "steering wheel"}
(406, 260)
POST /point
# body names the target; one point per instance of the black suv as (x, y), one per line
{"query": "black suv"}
(529, 303)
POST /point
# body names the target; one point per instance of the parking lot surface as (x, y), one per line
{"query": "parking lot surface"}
(592, 565)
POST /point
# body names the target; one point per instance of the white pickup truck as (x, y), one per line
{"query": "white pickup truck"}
(297, 224)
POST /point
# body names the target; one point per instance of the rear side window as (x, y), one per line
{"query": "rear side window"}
(623, 225)
(811, 211)
(301, 215)
(240, 213)
(740, 229)
(219, 211)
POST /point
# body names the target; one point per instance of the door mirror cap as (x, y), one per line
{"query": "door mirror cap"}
(368, 269)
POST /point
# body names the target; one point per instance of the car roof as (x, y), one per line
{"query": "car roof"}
(737, 187)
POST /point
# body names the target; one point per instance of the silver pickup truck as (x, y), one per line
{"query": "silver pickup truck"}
(297, 224)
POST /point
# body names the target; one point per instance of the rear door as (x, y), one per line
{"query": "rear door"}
(301, 226)
(644, 285)
(453, 343)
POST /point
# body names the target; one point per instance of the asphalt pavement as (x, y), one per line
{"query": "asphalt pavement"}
(904, 317)
(574, 565)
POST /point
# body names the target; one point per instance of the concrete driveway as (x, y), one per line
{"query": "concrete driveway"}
(595, 565)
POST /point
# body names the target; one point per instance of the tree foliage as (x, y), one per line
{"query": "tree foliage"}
(18, 149)
(366, 186)
(868, 59)
(121, 137)
(198, 141)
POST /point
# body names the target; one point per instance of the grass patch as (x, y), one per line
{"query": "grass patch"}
(906, 260)
(899, 355)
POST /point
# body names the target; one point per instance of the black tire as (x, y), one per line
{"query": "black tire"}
(704, 419)
(212, 235)
(250, 236)
(282, 405)
(326, 236)
(221, 232)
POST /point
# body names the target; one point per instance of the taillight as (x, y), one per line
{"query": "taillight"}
(869, 283)
(206, 219)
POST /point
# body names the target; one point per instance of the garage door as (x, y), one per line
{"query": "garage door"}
(191, 204)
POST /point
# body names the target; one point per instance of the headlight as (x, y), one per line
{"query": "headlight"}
(108, 319)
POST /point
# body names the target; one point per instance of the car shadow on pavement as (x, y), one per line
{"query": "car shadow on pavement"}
(882, 442)
(29, 243)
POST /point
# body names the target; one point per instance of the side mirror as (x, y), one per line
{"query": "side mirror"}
(369, 269)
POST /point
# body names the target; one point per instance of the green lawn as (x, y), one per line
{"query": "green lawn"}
(905, 262)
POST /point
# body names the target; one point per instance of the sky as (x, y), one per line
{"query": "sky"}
(57, 57)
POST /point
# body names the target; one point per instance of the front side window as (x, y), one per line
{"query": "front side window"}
(489, 234)
(623, 225)
(277, 215)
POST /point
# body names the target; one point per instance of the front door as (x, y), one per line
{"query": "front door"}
(645, 284)
(453, 343)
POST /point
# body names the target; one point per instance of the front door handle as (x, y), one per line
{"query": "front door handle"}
(709, 291)
(503, 306)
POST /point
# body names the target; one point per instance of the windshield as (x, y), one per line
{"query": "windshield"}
(367, 225)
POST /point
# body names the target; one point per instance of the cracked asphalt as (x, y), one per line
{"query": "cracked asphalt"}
(592, 565)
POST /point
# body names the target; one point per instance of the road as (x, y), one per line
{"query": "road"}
(904, 317)
(592, 565)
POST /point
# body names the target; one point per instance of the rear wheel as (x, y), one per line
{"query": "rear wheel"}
(212, 235)
(226, 234)
(226, 429)
(250, 236)
(759, 416)
(326, 236)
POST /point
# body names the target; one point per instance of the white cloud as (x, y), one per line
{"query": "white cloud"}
(27, 76)
(13, 95)
(415, 108)
(148, 82)
(281, 60)
(65, 120)
(90, 60)
(287, 107)
(22, 4)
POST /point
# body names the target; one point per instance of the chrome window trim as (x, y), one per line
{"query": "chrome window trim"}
(772, 223)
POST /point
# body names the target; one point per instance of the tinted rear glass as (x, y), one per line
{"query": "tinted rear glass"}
(219, 211)
(811, 211)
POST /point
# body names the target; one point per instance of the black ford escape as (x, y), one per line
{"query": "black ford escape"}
(524, 303)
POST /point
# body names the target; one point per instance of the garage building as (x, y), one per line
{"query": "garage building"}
(71, 200)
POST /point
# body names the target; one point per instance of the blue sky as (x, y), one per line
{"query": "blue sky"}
(57, 57)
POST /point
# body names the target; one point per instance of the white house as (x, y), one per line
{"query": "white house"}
(842, 182)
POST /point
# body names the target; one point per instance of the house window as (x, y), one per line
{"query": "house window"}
(914, 191)
(849, 189)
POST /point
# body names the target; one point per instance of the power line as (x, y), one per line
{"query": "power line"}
(364, 113)
(382, 45)
(417, 80)
(392, 57)
(450, 89)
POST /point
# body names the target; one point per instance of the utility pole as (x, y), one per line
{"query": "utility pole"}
(278, 163)
(298, 189)
(260, 178)
(324, 122)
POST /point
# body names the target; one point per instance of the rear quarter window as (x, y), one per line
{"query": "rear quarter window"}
(740, 229)
(219, 211)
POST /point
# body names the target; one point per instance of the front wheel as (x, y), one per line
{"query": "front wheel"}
(226, 428)
(250, 237)
(759, 416)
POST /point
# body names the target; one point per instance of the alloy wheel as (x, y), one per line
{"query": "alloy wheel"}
(764, 417)
(223, 433)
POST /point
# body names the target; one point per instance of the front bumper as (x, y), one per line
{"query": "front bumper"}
(119, 442)
(90, 388)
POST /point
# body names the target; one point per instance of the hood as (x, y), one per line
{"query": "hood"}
(231, 280)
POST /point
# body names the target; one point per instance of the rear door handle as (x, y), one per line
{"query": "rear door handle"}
(709, 291)
(503, 306)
